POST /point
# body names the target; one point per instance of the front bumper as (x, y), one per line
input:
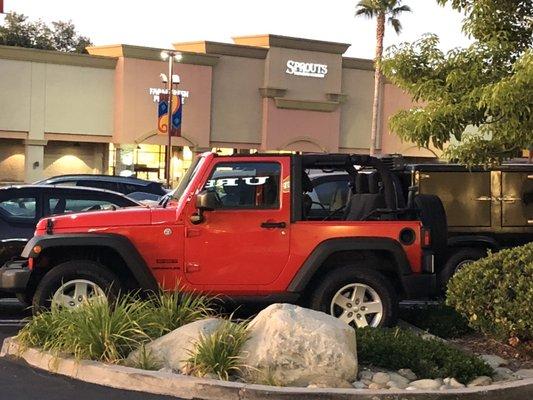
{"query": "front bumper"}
(14, 276)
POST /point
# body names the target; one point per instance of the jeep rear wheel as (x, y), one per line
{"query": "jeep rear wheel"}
(73, 283)
(359, 297)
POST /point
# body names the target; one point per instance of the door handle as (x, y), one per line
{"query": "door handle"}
(271, 224)
(484, 198)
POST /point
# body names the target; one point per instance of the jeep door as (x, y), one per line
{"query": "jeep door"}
(245, 239)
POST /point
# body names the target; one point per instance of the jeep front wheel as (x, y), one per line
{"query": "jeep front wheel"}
(73, 283)
(359, 297)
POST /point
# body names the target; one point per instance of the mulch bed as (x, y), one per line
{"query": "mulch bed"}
(519, 357)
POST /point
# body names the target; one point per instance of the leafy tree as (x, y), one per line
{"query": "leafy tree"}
(61, 36)
(382, 10)
(488, 85)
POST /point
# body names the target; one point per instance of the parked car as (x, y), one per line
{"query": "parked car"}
(486, 209)
(239, 226)
(136, 189)
(21, 207)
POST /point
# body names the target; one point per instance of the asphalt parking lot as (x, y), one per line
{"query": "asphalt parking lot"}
(18, 381)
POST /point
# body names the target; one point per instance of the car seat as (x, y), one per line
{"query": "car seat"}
(366, 199)
(307, 202)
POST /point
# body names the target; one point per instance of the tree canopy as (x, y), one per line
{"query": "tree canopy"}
(61, 35)
(488, 85)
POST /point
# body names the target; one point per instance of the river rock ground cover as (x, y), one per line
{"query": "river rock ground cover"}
(284, 345)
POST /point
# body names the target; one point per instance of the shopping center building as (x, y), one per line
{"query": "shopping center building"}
(69, 113)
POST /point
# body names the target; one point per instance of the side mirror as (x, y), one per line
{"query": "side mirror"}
(205, 201)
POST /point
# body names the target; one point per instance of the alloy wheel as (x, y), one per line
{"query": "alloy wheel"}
(358, 305)
(73, 293)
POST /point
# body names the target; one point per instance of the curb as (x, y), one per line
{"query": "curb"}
(188, 387)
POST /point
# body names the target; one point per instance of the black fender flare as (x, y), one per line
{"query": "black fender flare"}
(118, 243)
(331, 246)
(473, 241)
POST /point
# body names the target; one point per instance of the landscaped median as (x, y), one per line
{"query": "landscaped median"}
(175, 344)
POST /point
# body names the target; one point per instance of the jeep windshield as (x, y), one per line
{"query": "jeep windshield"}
(187, 178)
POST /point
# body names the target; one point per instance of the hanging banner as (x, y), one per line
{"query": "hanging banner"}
(162, 114)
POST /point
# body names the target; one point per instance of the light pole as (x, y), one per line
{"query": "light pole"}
(169, 55)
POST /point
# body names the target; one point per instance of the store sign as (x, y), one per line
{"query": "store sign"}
(250, 181)
(156, 93)
(306, 69)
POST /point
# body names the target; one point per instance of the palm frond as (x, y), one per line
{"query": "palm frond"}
(396, 24)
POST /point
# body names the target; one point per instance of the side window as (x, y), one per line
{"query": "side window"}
(19, 207)
(323, 193)
(62, 205)
(246, 185)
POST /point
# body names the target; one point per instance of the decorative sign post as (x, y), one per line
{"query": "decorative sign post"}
(171, 108)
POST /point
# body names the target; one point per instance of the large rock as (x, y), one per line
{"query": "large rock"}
(174, 348)
(296, 346)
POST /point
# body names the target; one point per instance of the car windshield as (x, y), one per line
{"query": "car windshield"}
(187, 178)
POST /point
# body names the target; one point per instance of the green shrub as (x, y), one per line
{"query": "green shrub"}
(92, 331)
(396, 348)
(495, 293)
(218, 353)
(439, 320)
(166, 311)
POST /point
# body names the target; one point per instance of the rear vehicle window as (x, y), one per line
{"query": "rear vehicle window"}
(246, 185)
(113, 186)
(19, 207)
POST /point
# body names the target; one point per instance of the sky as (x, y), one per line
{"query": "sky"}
(159, 23)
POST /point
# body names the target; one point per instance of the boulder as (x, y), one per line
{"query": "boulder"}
(407, 373)
(329, 382)
(453, 383)
(399, 379)
(480, 381)
(426, 384)
(525, 373)
(504, 374)
(381, 378)
(297, 345)
(173, 349)
(493, 361)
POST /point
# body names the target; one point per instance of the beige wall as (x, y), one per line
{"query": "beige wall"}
(79, 100)
(73, 158)
(39, 98)
(302, 87)
(356, 111)
(394, 100)
(11, 160)
(136, 116)
(236, 102)
(15, 95)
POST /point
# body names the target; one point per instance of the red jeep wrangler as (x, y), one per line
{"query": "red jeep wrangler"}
(240, 226)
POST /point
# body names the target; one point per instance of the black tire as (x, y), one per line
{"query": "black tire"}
(323, 294)
(458, 259)
(71, 270)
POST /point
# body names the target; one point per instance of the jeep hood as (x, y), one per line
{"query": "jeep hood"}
(131, 216)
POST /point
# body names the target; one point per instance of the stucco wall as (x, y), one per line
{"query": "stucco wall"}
(73, 158)
(11, 160)
(394, 100)
(51, 98)
(356, 111)
(236, 103)
(79, 100)
(15, 94)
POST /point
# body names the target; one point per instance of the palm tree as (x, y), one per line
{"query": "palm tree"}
(383, 10)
